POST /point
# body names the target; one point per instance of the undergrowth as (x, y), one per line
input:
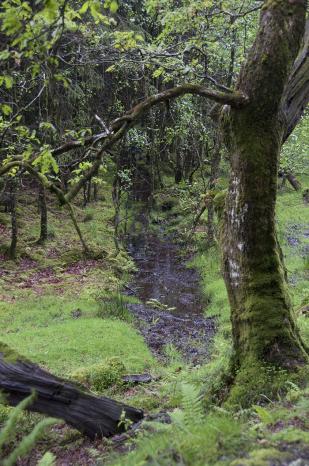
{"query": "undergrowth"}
(85, 315)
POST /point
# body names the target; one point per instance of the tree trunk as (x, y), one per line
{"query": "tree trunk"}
(262, 322)
(91, 415)
(14, 227)
(89, 191)
(214, 172)
(43, 214)
(95, 192)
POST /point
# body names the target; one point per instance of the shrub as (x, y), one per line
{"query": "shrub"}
(102, 375)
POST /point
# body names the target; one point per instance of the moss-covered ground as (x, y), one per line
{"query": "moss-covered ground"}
(53, 309)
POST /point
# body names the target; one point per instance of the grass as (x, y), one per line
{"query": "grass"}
(60, 309)
(64, 347)
(259, 436)
(55, 321)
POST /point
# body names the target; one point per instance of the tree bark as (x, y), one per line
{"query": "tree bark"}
(293, 181)
(14, 226)
(91, 415)
(43, 214)
(262, 321)
(214, 171)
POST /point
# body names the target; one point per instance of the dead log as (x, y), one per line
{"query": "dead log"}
(137, 378)
(293, 181)
(93, 416)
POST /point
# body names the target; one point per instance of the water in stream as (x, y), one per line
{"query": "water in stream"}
(163, 275)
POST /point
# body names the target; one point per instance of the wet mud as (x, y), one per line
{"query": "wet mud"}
(170, 313)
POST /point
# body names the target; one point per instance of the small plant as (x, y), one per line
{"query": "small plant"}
(47, 460)
(158, 305)
(114, 306)
(124, 421)
(264, 415)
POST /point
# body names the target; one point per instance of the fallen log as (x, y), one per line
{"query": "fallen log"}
(137, 378)
(93, 416)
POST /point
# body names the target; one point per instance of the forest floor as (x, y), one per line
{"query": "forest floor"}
(67, 313)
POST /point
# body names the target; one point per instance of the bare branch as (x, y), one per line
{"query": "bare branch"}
(102, 123)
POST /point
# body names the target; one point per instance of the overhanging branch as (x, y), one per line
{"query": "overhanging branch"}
(234, 99)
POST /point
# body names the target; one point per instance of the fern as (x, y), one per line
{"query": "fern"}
(27, 443)
(47, 460)
(192, 405)
(9, 428)
(264, 415)
(192, 413)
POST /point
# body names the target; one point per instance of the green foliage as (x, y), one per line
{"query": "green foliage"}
(192, 438)
(47, 460)
(114, 306)
(294, 155)
(264, 415)
(8, 431)
(46, 162)
(100, 376)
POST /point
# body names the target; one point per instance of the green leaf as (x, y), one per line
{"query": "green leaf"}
(50, 11)
(158, 72)
(84, 8)
(47, 460)
(113, 6)
(8, 82)
(6, 109)
(110, 69)
(4, 55)
(264, 415)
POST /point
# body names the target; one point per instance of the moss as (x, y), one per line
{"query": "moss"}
(4, 413)
(291, 435)
(219, 202)
(257, 382)
(101, 376)
(9, 354)
(261, 457)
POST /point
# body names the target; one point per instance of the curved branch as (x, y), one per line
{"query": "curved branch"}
(235, 99)
(41, 178)
(119, 127)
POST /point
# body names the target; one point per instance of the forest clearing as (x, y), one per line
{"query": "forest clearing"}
(154, 220)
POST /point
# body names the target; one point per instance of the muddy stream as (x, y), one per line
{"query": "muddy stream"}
(170, 314)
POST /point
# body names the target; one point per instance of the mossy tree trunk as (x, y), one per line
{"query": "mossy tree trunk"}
(263, 325)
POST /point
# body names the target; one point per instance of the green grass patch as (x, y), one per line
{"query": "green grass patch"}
(64, 347)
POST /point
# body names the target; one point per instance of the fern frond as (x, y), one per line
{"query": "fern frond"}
(28, 442)
(9, 427)
(47, 460)
(192, 405)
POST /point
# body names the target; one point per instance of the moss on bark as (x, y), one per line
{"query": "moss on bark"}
(264, 331)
